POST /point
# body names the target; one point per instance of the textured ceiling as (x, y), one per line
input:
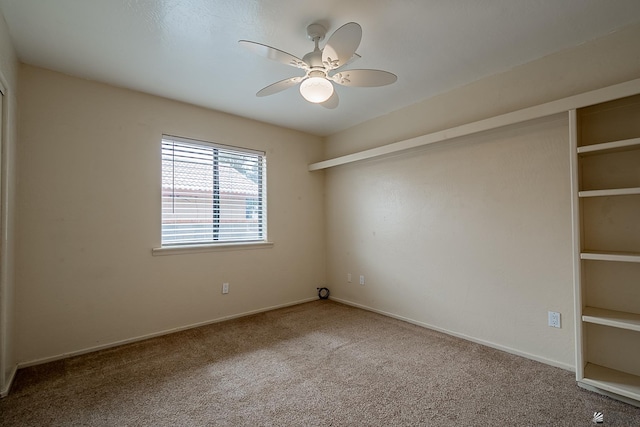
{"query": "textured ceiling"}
(188, 49)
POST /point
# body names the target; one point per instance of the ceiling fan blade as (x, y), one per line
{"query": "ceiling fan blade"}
(364, 78)
(279, 86)
(332, 102)
(342, 45)
(274, 54)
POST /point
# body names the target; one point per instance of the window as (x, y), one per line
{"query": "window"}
(212, 193)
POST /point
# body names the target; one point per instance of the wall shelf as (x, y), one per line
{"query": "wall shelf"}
(563, 105)
(616, 319)
(624, 144)
(611, 256)
(610, 192)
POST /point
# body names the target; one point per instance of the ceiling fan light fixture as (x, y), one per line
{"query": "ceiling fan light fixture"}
(323, 67)
(316, 89)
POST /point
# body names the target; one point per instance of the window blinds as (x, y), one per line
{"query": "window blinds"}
(211, 193)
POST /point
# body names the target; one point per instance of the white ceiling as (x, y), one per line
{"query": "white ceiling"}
(187, 49)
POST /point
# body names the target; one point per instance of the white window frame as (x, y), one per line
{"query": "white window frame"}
(198, 245)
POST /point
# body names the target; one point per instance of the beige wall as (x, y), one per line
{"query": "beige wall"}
(9, 80)
(89, 203)
(471, 236)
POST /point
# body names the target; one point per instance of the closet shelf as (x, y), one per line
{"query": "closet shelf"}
(616, 319)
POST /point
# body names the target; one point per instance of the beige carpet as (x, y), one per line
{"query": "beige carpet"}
(316, 364)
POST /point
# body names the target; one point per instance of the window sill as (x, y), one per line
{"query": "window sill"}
(190, 249)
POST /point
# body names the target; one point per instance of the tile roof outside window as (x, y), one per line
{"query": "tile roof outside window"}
(199, 178)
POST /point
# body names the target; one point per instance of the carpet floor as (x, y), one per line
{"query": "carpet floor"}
(315, 364)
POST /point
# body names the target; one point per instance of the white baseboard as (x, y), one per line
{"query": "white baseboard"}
(157, 334)
(463, 336)
(7, 387)
(537, 358)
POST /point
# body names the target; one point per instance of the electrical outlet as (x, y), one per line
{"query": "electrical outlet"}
(348, 277)
(361, 279)
(554, 319)
(225, 288)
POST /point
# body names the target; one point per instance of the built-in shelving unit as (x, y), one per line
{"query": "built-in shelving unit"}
(606, 182)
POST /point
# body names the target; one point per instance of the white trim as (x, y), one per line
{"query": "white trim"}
(9, 382)
(559, 106)
(459, 335)
(191, 249)
(5, 383)
(576, 241)
(161, 333)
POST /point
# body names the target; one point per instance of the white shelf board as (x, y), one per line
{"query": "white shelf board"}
(611, 380)
(586, 99)
(606, 146)
(610, 192)
(611, 256)
(616, 319)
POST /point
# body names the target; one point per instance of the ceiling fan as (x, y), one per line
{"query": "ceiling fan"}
(323, 67)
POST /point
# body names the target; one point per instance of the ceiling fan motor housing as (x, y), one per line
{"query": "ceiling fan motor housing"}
(314, 59)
